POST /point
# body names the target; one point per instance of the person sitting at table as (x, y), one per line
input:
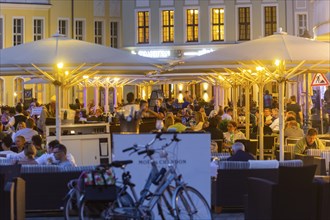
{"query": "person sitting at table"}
(239, 154)
(310, 141)
(26, 132)
(19, 144)
(97, 116)
(178, 126)
(82, 117)
(216, 133)
(197, 123)
(49, 158)
(232, 134)
(30, 152)
(293, 130)
(60, 156)
(7, 142)
(36, 140)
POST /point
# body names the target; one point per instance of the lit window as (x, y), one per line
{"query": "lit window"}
(18, 29)
(143, 27)
(168, 26)
(270, 20)
(38, 29)
(79, 30)
(244, 23)
(114, 34)
(63, 27)
(218, 26)
(192, 25)
(98, 32)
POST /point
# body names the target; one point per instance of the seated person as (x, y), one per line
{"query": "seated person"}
(292, 129)
(97, 116)
(82, 118)
(216, 133)
(19, 144)
(26, 132)
(37, 142)
(178, 126)
(29, 154)
(197, 123)
(48, 157)
(239, 153)
(7, 142)
(232, 134)
(310, 141)
(60, 156)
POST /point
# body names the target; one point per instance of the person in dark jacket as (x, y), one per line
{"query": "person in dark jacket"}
(239, 153)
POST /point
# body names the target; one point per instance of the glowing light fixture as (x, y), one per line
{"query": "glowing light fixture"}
(277, 62)
(60, 65)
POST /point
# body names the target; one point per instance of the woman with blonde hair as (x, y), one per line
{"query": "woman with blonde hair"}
(169, 120)
(30, 151)
(199, 121)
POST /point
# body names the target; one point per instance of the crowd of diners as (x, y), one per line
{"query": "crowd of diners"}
(23, 136)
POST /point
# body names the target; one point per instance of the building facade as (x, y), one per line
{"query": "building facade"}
(23, 21)
(165, 29)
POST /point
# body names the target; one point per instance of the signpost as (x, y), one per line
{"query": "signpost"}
(320, 80)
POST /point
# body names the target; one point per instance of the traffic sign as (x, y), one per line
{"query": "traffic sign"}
(320, 80)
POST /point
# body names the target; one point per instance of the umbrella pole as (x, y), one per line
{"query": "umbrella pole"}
(235, 118)
(261, 121)
(247, 111)
(58, 113)
(281, 118)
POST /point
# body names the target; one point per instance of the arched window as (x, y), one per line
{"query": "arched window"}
(18, 89)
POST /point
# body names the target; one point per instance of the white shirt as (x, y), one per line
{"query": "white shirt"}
(226, 117)
(44, 159)
(8, 153)
(27, 133)
(275, 126)
(17, 156)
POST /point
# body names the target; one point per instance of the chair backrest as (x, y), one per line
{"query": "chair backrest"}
(269, 141)
(291, 141)
(296, 176)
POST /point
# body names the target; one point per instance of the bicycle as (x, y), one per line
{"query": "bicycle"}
(171, 195)
(76, 199)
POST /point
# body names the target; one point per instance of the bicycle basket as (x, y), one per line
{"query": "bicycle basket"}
(98, 185)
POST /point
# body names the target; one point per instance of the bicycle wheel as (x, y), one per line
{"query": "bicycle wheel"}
(164, 205)
(90, 210)
(71, 207)
(190, 204)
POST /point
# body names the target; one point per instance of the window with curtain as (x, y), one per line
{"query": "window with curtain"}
(114, 34)
(270, 20)
(192, 25)
(63, 27)
(244, 23)
(218, 24)
(143, 27)
(168, 26)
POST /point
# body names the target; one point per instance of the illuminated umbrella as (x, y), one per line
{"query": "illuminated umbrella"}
(280, 57)
(64, 61)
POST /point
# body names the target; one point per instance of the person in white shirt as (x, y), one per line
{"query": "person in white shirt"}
(228, 115)
(27, 132)
(6, 144)
(48, 158)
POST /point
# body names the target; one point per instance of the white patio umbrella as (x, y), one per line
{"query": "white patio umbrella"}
(280, 56)
(64, 62)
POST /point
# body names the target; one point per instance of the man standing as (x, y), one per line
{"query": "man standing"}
(19, 117)
(295, 107)
(310, 141)
(268, 99)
